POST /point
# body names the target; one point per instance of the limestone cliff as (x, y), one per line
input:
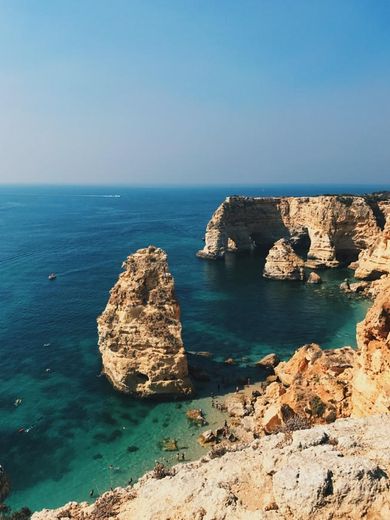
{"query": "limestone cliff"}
(375, 261)
(371, 376)
(333, 471)
(140, 331)
(282, 263)
(332, 228)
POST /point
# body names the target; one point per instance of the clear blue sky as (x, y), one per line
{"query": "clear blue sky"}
(194, 91)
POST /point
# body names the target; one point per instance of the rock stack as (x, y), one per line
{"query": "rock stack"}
(283, 263)
(140, 330)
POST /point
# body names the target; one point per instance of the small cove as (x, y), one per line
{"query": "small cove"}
(81, 434)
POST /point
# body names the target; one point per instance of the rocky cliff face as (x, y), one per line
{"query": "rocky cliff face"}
(140, 331)
(375, 261)
(333, 228)
(282, 263)
(313, 386)
(334, 471)
(371, 376)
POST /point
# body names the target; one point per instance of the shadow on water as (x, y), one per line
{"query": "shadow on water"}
(212, 377)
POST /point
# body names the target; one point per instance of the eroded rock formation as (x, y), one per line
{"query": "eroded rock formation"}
(313, 386)
(333, 228)
(282, 263)
(140, 330)
(375, 261)
(319, 386)
(371, 376)
(334, 471)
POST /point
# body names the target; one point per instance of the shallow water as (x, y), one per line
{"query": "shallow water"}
(78, 433)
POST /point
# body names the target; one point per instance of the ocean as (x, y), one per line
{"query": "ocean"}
(72, 432)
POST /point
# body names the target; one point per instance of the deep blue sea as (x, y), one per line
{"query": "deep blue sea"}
(77, 433)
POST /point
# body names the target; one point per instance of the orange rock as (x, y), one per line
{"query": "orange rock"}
(371, 377)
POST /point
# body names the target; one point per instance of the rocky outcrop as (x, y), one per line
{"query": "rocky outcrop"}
(140, 331)
(334, 471)
(332, 228)
(314, 385)
(314, 278)
(375, 261)
(282, 263)
(269, 361)
(371, 375)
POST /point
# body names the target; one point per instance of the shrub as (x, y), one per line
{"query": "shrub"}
(317, 406)
(160, 471)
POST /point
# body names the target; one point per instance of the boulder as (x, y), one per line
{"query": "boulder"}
(314, 278)
(206, 437)
(269, 361)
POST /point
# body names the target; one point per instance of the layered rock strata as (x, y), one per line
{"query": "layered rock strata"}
(282, 263)
(333, 471)
(375, 261)
(140, 330)
(332, 228)
(371, 375)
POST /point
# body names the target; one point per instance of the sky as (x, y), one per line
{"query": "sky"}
(194, 92)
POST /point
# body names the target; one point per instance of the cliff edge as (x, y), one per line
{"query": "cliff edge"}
(330, 228)
(335, 471)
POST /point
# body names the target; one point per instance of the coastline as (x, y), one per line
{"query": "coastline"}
(223, 348)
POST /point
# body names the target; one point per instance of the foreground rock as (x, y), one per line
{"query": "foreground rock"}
(333, 228)
(314, 385)
(140, 331)
(375, 261)
(371, 376)
(335, 471)
(282, 263)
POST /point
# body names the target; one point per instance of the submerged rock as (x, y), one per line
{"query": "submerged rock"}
(4, 484)
(196, 415)
(169, 445)
(140, 330)
(282, 263)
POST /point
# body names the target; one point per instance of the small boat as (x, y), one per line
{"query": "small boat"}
(52, 276)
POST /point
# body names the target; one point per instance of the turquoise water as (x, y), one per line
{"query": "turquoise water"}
(78, 433)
